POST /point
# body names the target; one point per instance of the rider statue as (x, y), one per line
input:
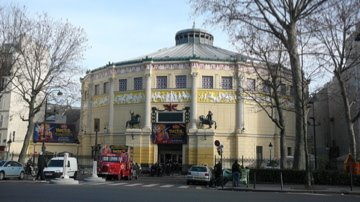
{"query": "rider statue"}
(209, 117)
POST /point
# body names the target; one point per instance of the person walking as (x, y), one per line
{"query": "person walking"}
(235, 173)
(41, 166)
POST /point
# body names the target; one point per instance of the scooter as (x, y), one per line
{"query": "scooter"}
(29, 169)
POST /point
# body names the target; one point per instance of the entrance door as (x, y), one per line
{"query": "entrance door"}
(170, 155)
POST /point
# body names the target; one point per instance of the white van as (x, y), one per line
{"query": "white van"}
(54, 168)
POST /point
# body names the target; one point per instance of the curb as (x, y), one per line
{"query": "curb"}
(341, 192)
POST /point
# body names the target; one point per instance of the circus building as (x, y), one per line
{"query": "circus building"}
(173, 104)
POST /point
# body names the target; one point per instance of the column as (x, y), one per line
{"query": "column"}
(239, 105)
(89, 120)
(239, 113)
(194, 100)
(147, 124)
(110, 127)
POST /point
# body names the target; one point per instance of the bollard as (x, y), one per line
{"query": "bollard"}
(351, 178)
(281, 180)
(65, 176)
(254, 180)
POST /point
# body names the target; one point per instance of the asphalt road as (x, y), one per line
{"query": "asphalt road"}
(146, 189)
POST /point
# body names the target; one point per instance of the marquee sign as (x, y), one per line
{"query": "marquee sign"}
(163, 133)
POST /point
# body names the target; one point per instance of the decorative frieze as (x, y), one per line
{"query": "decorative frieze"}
(100, 100)
(172, 66)
(129, 98)
(216, 96)
(171, 96)
(207, 66)
(106, 73)
(130, 69)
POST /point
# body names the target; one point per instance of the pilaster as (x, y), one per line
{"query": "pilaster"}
(194, 100)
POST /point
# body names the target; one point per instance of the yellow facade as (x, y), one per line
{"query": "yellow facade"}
(242, 126)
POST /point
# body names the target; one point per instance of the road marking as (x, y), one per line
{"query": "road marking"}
(150, 185)
(183, 187)
(95, 184)
(167, 186)
(118, 184)
(197, 187)
(133, 185)
(311, 194)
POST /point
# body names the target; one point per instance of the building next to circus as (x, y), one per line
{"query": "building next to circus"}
(157, 103)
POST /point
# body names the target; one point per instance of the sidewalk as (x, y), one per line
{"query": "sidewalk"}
(298, 188)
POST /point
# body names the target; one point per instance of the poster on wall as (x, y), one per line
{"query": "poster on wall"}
(168, 133)
(56, 133)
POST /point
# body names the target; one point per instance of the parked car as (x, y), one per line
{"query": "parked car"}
(55, 168)
(199, 174)
(11, 169)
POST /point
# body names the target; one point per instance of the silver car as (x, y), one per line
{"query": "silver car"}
(200, 174)
(11, 169)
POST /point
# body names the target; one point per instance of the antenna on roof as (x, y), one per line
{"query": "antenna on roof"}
(194, 25)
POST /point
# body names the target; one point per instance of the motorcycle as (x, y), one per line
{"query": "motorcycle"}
(29, 169)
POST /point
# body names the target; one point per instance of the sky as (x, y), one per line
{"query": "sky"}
(120, 30)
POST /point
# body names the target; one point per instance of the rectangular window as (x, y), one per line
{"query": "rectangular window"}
(289, 151)
(282, 89)
(292, 91)
(226, 82)
(138, 83)
(266, 86)
(122, 84)
(161, 82)
(250, 84)
(2, 84)
(85, 95)
(106, 88)
(97, 89)
(207, 82)
(180, 81)
(1, 121)
(259, 155)
(96, 125)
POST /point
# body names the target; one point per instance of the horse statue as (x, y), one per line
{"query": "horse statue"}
(135, 120)
(207, 121)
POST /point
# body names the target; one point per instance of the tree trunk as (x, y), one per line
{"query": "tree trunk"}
(347, 111)
(29, 134)
(282, 148)
(299, 159)
(306, 149)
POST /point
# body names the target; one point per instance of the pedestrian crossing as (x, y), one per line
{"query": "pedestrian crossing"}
(126, 184)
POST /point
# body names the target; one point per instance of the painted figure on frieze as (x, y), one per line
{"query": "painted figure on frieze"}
(135, 120)
(207, 121)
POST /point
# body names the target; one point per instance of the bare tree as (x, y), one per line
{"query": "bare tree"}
(268, 64)
(49, 52)
(338, 33)
(279, 18)
(11, 27)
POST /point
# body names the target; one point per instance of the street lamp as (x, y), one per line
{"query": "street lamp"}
(314, 124)
(270, 147)
(96, 128)
(43, 147)
(9, 144)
